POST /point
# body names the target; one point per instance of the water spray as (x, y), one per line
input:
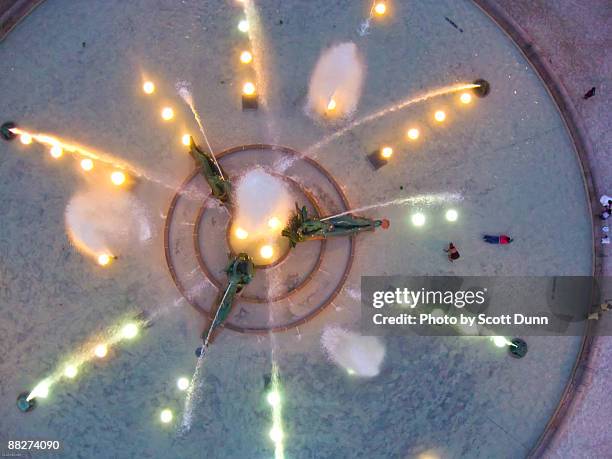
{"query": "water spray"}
(378, 8)
(195, 379)
(77, 150)
(422, 199)
(274, 399)
(26, 401)
(393, 108)
(192, 395)
(10, 131)
(517, 347)
(331, 102)
(201, 351)
(182, 88)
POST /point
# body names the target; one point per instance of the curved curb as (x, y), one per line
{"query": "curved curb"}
(11, 15)
(581, 373)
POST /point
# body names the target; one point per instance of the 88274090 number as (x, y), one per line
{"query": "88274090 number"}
(36, 445)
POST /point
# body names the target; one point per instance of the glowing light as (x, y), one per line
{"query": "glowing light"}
(452, 215)
(400, 105)
(273, 398)
(465, 98)
(167, 113)
(331, 105)
(418, 219)
(118, 178)
(166, 416)
(248, 88)
(186, 140)
(246, 57)
(276, 434)
(430, 454)
(266, 251)
(101, 350)
(350, 371)
(380, 8)
(148, 87)
(81, 152)
(25, 138)
(439, 116)
(274, 223)
(104, 259)
(70, 371)
(386, 152)
(87, 164)
(129, 331)
(56, 151)
(413, 133)
(40, 391)
(500, 341)
(243, 26)
(182, 383)
(241, 233)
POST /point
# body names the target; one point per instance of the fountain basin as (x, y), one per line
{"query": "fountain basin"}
(288, 290)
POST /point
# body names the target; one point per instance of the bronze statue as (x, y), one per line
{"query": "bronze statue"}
(215, 176)
(240, 272)
(302, 228)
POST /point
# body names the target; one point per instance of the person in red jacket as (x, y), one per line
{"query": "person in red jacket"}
(497, 239)
(453, 253)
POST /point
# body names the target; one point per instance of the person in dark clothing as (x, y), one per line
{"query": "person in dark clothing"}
(497, 239)
(453, 253)
(590, 93)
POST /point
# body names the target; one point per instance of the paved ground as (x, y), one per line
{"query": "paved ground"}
(495, 152)
(575, 39)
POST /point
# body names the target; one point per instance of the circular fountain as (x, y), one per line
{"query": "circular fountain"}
(355, 116)
(263, 203)
(291, 286)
